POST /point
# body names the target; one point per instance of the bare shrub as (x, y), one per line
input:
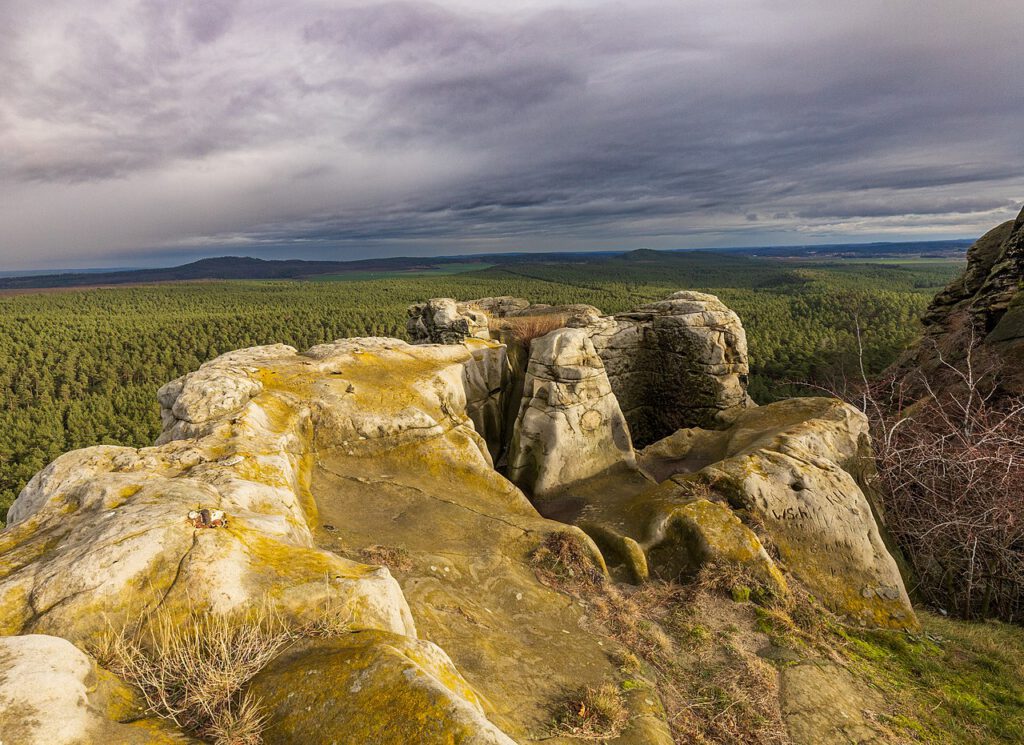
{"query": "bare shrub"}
(193, 670)
(950, 473)
(524, 329)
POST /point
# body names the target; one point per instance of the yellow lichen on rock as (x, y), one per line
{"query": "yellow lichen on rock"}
(371, 688)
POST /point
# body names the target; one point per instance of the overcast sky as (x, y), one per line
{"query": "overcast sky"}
(142, 132)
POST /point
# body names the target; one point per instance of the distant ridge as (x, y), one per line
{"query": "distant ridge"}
(247, 267)
(221, 267)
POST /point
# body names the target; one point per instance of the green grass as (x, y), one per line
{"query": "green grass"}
(957, 682)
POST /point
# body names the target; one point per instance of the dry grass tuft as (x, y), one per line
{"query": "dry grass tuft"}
(739, 583)
(193, 670)
(393, 557)
(563, 562)
(525, 329)
(240, 724)
(592, 713)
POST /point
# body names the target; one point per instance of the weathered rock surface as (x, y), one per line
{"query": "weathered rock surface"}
(569, 427)
(982, 307)
(823, 704)
(359, 478)
(444, 321)
(790, 467)
(359, 681)
(102, 534)
(680, 362)
(324, 455)
(787, 468)
(51, 693)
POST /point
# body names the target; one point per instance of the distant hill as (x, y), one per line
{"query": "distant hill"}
(223, 267)
(929, 249)
(244, 267)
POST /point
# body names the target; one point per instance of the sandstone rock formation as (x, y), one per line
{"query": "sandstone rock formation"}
(680, 362)
(360, 480)
(51, 693)
(443, 321)
(983, 308)
(791, 467)
(569, 427)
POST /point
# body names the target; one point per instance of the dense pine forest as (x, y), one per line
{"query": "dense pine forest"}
(81, 367)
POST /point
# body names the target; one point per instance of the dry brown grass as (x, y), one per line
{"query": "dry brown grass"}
(393, 557)
(563, 562)
(693, 640)
(591, 713)
(193, 671)
(525, 329)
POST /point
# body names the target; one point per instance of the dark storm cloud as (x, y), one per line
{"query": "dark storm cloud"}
(370, 126)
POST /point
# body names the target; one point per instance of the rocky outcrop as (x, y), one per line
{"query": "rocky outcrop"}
(680, 362)
(789, 468)
(444, 321)
(103, 534)
(982, 310)
(289, 480)
(569, 427)
(360, 479)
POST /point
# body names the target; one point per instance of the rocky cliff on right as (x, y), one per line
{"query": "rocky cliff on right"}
(981, 312)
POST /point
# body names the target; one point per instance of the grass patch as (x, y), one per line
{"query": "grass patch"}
(564, 563)
(524, 329)
(956, 682)
(591, 713)
(712, 683)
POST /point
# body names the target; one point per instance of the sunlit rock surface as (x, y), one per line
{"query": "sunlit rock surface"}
(365, 479)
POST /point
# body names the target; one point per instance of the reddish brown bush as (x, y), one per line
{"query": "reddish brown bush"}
(525, 329)
(951, 473)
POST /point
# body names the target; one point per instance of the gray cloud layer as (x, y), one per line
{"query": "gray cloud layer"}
(347, 129)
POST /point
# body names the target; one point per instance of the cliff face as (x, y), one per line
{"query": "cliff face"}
(357, 481)
(982, 310)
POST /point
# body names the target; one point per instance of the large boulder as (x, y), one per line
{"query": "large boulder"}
(569, 427)
(445, 321)
(217, 521)
(792, 469)
(52, 693)
(393, 689)
(679, 362)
